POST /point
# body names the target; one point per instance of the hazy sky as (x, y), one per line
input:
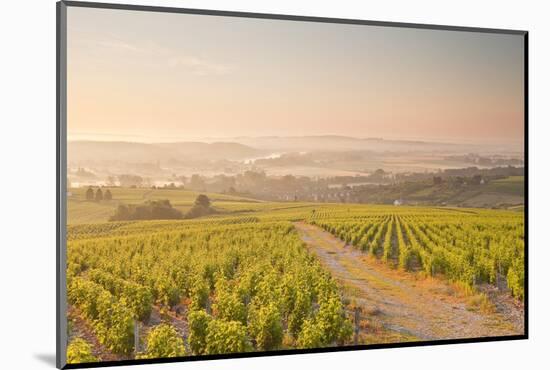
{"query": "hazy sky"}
(163, 77)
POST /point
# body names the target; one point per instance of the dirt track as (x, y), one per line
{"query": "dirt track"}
(416, 309)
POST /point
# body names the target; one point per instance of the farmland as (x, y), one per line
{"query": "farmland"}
(81, 211)
(262, 276)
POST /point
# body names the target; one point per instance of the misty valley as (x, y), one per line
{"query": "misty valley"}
(333, 169)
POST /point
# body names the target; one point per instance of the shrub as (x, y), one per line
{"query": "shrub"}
(115, 325)
(311, 335)
(198, 329)
(226, 337)
(80, 351)
(164, 341)
(265, 327)
(199, 294)
(329, 326)
(516, 278)
(228, 305)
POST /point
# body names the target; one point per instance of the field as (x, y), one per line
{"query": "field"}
(80, 211)
(262, 276)
(513, 185)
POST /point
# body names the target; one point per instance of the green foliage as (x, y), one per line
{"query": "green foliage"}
(79, 351)
(299, 311)
(336, 328)
(265, 327)
(167, 293)
(311, 335)
(139, 297)
(112, 319)
(248, 282)
(199, 294)
(228, 306)
(150, 210)
(226, 337)
(115, 325)
(467, 246)
(329, 327)
(516, 278)
(164, 341)
(198, 329)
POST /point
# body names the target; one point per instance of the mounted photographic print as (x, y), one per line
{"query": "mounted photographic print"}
(237, 184)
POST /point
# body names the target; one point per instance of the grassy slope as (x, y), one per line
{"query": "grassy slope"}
(513, 185)
(82, 211)
(505, 191)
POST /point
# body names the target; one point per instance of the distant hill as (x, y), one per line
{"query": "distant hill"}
(127, 151)
(346, 143)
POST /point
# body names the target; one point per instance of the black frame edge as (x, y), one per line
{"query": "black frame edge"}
(293, 352)
(526, 181)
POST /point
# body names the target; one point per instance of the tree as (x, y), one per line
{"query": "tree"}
(80, 351)
(108, 195)
(202, 200)
(90, 194)
(98, 195)
(200, 208)
(164, 341)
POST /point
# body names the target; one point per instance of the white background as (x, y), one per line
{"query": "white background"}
(27, 189)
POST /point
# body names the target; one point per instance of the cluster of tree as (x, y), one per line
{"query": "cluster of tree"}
(98, 196)
(459, 180)
(489, 161)
(201, 207)
(150, 210)
(496, 172)
(127, 180)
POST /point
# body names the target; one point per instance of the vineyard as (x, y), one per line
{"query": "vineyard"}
(245, 281)
(469, 247)
(241, 287)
